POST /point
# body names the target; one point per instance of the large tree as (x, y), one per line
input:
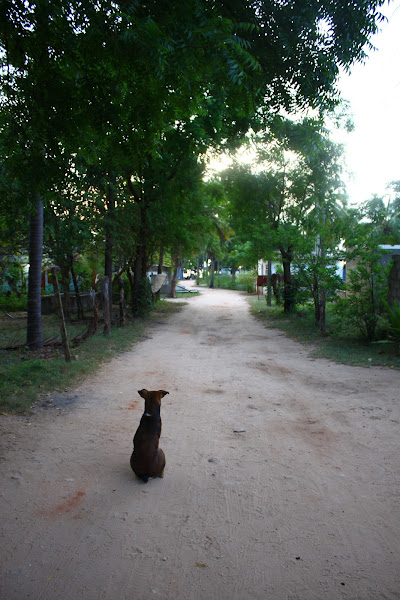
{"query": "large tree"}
(122, 74)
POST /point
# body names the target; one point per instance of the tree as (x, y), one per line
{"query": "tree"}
(36, 104)
(264, 212)
(367, 289)
(323, 223)
(384, 214)
(106, 83)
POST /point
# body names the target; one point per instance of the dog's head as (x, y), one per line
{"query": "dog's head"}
(152, 400)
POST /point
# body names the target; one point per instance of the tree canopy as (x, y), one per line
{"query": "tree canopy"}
(128, 96)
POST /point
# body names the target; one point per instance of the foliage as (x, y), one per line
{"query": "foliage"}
(145, 302)
(314, 274)
(366, 291)
(291, 202)
(341, 345)
(13, 302)
(125, 98)
(394, 316)
(383, 215)
(14, 276)
(242, 282)
(28, 377)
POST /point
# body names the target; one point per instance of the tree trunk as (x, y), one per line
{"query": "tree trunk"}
(95, 311)
(288, 290)
(137, 277)
(198, 271)
(322, 311)
(65, 274)
(122, 306)
(316, 299)
(34, 325)
(212, 271)
(269, 285)
(140, 264)
(105, 300)
(159, 269)
(76, 288)
(130, 276)
(174, 276)
(109, 242)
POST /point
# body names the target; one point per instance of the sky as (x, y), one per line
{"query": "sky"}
(373, 90)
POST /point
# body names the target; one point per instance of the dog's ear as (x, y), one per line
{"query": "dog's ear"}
(143, 393)
(163, 393)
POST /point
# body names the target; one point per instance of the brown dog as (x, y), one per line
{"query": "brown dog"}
(148, 460)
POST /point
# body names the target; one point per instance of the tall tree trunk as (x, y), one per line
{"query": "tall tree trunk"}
(65, 275)
(316, 299)
(322, 294)
(34, 325)
(212, 270)
(130, 276)
(122, 305)
(159, 269)
(109, 243)
(174, 276)
(269, 285)
(322, 311)
(288, 290)
(140, 265)
(78, 299)
(198, 271)
(137, 277)
(105, 298)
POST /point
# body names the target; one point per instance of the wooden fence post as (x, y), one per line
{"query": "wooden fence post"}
(64, 337)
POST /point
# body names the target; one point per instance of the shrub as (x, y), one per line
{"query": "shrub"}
(13, 302)
(394, 317)
(367, 289)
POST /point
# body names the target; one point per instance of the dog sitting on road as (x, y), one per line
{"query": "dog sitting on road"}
(148, 460)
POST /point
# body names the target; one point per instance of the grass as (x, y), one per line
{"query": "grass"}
(26, 376)
(186, 294)
(341, 346)
(243, 282)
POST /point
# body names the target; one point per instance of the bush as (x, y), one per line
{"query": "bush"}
(243, 282)
(13, 302)
(394, 316)
(144, 302)
(367, 289)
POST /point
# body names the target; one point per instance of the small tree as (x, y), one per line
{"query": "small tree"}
(367, 291)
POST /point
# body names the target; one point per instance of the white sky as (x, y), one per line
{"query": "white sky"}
(373, 90)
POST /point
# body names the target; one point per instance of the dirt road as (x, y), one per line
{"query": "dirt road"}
(282, 477)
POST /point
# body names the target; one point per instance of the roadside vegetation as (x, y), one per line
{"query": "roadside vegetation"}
(27, 376)
(106, 181)
(341, 344)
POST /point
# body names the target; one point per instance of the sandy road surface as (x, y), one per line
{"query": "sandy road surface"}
(301, 503)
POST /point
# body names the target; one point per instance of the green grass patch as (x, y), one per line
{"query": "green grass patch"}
(26, 376)
(243, 282)
(186, 295)
(339, 345)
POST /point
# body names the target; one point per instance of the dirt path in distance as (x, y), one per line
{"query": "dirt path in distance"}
(282, 476)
